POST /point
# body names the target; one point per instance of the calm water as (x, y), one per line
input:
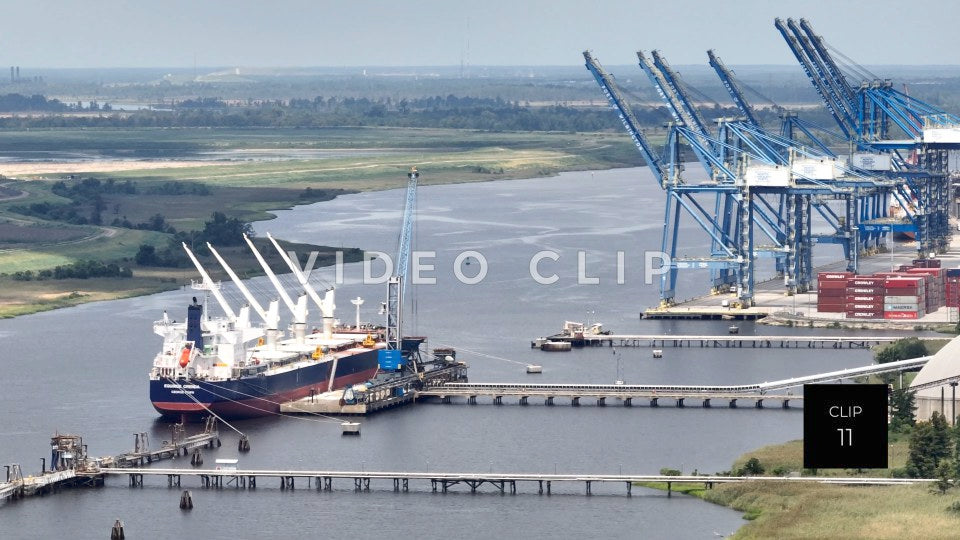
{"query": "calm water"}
(83, 370)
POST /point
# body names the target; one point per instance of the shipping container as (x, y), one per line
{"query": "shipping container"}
(953, 272)
(836, 284)
(901, 299)
(865, 282)
(900, 307)
(864, 307)
(831, 308)
(832, 293)
(866, 298)
(901, 315)
(864, 314)
(865, 290)
(825, 276)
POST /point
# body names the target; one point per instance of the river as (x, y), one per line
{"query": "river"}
(83, 370)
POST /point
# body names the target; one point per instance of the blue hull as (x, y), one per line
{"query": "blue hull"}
(255, 396)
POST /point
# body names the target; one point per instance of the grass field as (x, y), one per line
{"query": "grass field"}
(249, 172)
(778, 509)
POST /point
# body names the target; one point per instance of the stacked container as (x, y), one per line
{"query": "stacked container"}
(864, 297)
(831, 291)
(952, 289)
(935, 286)
(926, 263)
(905, 296)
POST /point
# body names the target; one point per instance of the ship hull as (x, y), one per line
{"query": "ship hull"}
(256, 396)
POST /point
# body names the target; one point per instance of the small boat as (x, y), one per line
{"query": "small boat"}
(350, 428)
(658, 353)
(734, 329)
(534, 368)
(556, 346)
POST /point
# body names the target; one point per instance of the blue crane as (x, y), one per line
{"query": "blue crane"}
(395, 282)
(730, 84)
(875, 106)
(818, 84)
(725, 235)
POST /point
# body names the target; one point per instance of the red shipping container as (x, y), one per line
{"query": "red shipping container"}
(832, 293)
(864, 314)
(900, 315)
(865, 298)
(836, 284)
(869, 306)
(865, 282)
(824, 276)
(831, 309)
(864, 290)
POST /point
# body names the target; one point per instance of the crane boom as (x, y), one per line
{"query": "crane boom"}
(730, 83)
(395, 283)
(818, 84)
(629, 121)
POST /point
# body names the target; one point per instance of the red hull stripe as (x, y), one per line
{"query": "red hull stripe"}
(254, 407)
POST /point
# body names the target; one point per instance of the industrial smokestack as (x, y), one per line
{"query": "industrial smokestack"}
(11, 74)
(18, 73)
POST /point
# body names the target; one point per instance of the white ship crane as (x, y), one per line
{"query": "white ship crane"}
(326, 304)
(298, 309)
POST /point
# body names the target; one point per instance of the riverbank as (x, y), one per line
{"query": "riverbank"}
(185, 174)
(778, 509)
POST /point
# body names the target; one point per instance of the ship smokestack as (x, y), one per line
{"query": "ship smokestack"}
(194, 332)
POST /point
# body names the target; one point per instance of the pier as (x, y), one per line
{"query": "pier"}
(727, 341)
(383, 395)
(653, 398)
(442, 482)
(71, 467)
(704, 394)
(180, 444)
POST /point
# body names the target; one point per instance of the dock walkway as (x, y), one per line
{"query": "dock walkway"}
(443, 481)
(729, 341)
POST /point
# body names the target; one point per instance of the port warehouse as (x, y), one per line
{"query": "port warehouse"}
(910, 292)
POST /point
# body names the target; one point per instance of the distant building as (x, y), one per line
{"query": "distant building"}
(943, 365)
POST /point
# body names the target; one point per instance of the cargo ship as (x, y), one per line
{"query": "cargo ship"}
(210, 365)
(229, 367)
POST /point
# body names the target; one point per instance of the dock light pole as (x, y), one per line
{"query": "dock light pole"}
(953, 403)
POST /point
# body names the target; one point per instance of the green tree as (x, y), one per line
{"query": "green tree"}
(902, 409)
(902, 349)
(919, 462)
(944, 481)
(752, 467)
(930, 444)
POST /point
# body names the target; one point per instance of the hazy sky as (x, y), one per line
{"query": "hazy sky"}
(175, 33)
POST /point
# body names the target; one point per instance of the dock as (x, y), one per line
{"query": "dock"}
(770, 299)
(727, 341)
(70, 466)
(679, 399)
(393, 392)
(180, 444)
(704, 394)
(442, 482)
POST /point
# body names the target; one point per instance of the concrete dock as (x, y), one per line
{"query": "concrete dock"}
(770, 298)
(391, 393)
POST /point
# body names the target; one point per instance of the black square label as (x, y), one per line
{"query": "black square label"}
(845, 426)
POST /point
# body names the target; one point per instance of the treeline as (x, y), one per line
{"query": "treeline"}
(36, 102)
(505, 118)
(87, 202)
(79, 270)
(220, 230)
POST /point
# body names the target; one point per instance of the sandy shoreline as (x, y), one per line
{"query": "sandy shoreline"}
(17, 169)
